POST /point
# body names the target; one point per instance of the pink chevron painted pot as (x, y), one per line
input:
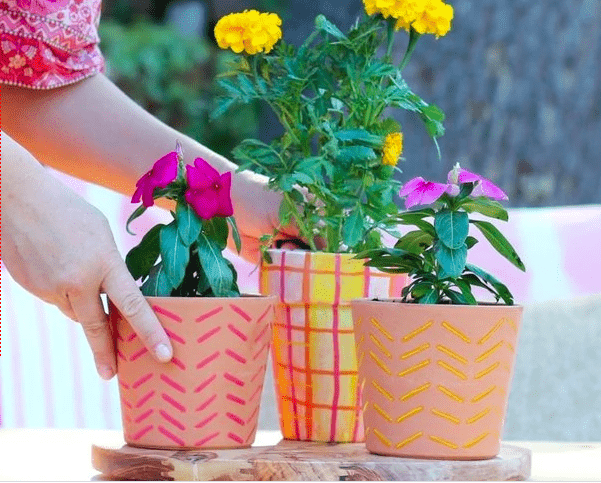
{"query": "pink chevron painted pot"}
(208, 396)
(435, 378)
(313, 347)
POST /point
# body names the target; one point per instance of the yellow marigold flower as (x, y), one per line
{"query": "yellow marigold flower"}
(425, 16)
(249, 31)
(434, 19)
(393, 147)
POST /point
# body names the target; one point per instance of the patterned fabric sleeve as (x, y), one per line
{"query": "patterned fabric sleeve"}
(49, 43)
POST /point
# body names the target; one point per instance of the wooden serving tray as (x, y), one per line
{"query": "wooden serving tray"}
(301, 461)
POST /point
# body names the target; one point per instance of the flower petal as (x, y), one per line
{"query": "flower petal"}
(411, 185)
(202, 175)
(490, 190)
(203, 202)
(466, 176)
(164, 170)
(224, 199)
(147, 195)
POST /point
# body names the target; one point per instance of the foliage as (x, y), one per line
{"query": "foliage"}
(172, 77)
(435, 254)
(331, 95)
(184, 258)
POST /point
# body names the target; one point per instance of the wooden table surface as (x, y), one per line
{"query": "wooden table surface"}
(65, 455)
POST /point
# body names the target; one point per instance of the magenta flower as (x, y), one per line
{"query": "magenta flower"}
(208, 192)
(162, 173)
(482, 186)
(421, 192)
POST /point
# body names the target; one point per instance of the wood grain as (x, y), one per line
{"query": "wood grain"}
(302, 461)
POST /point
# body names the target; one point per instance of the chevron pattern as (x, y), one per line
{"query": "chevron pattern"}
(209, 395)
(435, 388)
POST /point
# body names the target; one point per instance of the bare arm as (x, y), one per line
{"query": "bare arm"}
(93, 131)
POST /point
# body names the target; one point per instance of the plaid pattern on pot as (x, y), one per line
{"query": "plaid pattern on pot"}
(313, 349)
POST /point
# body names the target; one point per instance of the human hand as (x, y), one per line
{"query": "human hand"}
(61, 249)
(257, 209)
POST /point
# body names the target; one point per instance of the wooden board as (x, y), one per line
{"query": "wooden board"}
(301, 461)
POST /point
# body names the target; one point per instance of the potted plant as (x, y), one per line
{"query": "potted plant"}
(208, 395)
(436, 365)
(334, 163)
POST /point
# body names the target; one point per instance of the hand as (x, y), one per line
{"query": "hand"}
(61, 249)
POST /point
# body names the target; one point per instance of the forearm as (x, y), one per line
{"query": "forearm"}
(20, 172)
(93, 131)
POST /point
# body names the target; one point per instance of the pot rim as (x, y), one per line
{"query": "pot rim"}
(372, 301)
(285, 250)
(190, 300)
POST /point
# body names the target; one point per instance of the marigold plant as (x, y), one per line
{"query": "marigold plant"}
(336, 159)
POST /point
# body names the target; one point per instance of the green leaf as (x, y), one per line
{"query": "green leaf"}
(157, 284)
(215, 266)
(431, 297)
(452, 261)
(188, 223)
(360, 135)
(325, 25)
(420, 289)
(354, 154)
(466, 290)
(352, 230)
(487, 207)
(174, 254)
(415, 242)
(137, 213)
(501, 289)
(499, 242)
(452, 227)
(142, 257)
(470, 241)
(216, 229)
(235, 233)
(433, 112)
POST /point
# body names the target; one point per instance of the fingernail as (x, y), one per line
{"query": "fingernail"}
(106, 372)
(162, 352)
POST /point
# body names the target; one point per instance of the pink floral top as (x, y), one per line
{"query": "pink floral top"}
(49, 43)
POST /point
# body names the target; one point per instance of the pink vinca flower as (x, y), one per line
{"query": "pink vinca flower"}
(162, 173)
(208, 192)
(482, 186)
(421, 192)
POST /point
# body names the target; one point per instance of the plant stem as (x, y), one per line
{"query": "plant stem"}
(413, 38)
(299, 221)
(390, 34)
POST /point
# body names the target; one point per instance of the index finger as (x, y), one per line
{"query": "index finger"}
(121, 288)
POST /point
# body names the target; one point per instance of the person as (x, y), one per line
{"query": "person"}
(60, 110)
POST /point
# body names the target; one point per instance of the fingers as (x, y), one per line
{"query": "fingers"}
(88, 310)
(124, 293)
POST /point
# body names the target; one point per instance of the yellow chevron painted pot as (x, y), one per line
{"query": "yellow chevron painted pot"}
(435, 378)
(208, 395)
(313, 347)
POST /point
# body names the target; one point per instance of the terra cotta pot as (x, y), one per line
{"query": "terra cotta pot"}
(313, 348)
(208, 395)
(435, 378)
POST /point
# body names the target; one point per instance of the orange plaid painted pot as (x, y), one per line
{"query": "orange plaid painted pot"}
(208, 395)
(313, 348)
(435, 378)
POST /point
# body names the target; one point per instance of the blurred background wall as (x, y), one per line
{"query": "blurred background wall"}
(520, 82)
